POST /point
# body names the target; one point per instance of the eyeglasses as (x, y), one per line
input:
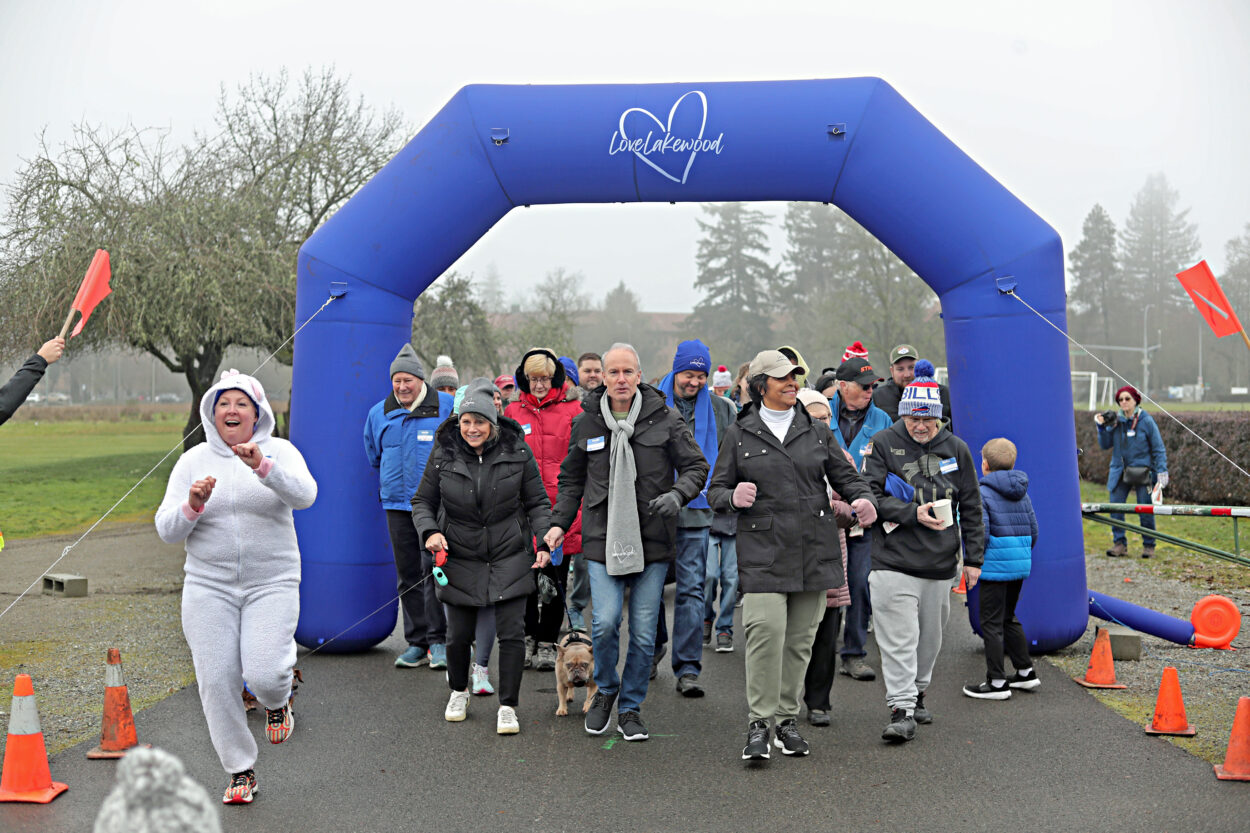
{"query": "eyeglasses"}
(539, 380)
(1125, 399)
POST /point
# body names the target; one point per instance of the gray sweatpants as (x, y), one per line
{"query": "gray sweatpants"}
(235, 636)
(908, 615)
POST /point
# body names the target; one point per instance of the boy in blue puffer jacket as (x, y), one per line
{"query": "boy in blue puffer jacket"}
(1011, 533)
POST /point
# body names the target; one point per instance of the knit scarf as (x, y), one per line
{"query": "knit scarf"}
(624, 534)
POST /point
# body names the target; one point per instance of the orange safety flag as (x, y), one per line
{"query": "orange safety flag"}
(1210, 300)
(94, 289)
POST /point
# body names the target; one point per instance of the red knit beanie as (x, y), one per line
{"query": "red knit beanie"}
(1132, 391)
(855, 351)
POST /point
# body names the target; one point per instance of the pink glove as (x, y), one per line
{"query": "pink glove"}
(865, 512)
(744, 495)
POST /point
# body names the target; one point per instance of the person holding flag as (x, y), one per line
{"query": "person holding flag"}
(15, 391)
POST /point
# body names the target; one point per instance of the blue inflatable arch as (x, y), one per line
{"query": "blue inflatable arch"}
(852, 142)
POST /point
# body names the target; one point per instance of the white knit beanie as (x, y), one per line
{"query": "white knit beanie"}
(154, 794)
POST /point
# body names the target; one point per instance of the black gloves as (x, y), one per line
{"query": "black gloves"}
(666, 505)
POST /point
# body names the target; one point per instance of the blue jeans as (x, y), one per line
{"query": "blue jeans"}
(1120, 495)
(722, 566)
(607, 598)
(691, 564)
(858, 563)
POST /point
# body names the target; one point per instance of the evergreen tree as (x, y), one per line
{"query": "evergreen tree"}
(737, 281)
(1098, 289)
(1157, 241)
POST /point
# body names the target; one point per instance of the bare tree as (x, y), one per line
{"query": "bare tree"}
(203, 238)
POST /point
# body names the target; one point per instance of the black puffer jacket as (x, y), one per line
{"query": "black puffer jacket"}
(491, 505)
(15, 391)
(661, 443)
(788, 539)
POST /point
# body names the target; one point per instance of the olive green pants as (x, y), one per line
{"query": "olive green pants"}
(779, 629)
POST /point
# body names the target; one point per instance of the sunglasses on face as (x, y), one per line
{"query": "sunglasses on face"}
(871, 387)
(1125, 399)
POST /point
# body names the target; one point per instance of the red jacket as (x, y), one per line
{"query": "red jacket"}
(547, 426)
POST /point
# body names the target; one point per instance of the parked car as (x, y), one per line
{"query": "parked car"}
(58, 398)
(168, 397)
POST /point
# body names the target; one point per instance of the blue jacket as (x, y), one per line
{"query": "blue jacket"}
(398, 442)
(875, 420)
(1144, 448)
(1010, 526)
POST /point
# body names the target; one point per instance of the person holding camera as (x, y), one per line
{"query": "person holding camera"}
(1138, 461)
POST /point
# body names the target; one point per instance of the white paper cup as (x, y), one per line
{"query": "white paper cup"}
(942, 511)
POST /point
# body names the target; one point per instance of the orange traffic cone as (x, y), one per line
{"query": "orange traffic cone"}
(26, 776)
(117, 734)
(962, 589)
(1169, 716)
(1236, 766)
(1101, 671)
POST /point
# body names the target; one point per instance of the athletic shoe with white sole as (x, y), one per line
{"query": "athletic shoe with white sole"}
(988, 691)
(457, 707)
(757, 742)
(479, 680)
(507, 723)
(788, 739)
(1024, 681)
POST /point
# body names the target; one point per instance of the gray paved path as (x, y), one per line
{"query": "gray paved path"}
(371, 752)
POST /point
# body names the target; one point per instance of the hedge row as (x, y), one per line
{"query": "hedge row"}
(1197, 474)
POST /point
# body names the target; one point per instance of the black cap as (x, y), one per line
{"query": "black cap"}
(857, 370)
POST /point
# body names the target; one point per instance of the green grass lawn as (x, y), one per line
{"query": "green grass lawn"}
(61, 477)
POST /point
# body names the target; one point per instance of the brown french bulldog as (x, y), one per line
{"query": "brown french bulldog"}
(575, 668)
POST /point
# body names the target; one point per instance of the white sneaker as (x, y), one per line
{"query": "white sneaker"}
(479, 682)
(457, 707)
(506, 723)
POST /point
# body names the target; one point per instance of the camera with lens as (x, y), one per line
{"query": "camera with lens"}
(1109, 417)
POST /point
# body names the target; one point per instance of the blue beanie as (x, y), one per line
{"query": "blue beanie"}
(570, 369)
(692, 355)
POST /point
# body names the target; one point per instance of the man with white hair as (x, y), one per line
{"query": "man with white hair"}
(625, 447)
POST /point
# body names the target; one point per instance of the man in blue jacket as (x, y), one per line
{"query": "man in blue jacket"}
(855, 420)
(399, 436)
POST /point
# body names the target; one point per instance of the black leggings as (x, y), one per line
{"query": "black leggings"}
(1000, 628)
(510, 627)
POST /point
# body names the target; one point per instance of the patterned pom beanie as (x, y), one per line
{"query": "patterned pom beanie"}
(923, 397)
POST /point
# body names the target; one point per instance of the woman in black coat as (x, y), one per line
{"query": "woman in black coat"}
(773, 469)
(480, 501)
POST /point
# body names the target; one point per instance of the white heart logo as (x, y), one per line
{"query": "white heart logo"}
(668, 129)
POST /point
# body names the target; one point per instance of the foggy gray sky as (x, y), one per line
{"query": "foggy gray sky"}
(1066, 103)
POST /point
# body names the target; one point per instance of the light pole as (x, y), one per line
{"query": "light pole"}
(1145, 352)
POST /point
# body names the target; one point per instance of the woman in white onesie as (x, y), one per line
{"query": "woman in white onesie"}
(231, 500)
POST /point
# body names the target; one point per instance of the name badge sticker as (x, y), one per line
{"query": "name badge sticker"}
(1132, 433)
(425, 435)
(949, 465)
(594, 444)
(527, 428)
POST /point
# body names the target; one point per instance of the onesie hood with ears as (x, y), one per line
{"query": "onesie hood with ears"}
(234, 380)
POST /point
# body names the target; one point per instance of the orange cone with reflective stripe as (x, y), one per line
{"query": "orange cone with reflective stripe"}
(1170, 716)
(1236, 766)
(118, 732)
(1101, 671)
(26, 776)
(962, 589)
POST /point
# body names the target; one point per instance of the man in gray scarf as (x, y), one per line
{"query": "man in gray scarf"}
(625, 447)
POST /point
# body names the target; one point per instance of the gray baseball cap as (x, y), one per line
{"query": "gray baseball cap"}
(903, 351)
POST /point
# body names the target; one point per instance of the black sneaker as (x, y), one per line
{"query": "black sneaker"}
(707, 633)
(600, 714)
(1024, 682)
(986, 691)
(818, 717)
(902, 727)
(921, 714)
(757, 742)
(631, 727)
(788, 739)
(688, 686)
